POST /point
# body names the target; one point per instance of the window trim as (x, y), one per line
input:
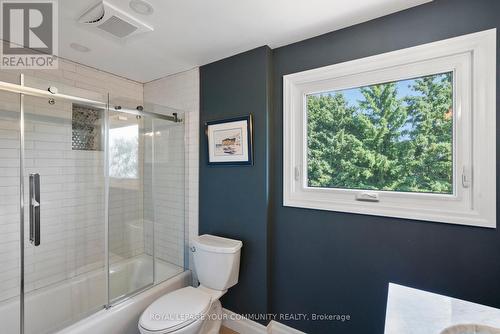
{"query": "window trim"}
(472, 58)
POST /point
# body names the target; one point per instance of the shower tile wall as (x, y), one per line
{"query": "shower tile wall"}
(71, 180)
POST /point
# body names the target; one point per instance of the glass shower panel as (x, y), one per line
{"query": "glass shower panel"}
(146, 200)
(64, 174)
(168, 194)
(131, 267)
(9, 212)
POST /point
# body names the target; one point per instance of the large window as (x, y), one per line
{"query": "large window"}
(407, 134)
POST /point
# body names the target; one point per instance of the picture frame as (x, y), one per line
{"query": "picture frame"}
(230, 141)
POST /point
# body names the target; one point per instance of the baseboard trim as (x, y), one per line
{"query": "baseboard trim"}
(275, 327)
(243, 325)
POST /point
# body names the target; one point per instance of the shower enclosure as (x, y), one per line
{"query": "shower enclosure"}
(91, 202)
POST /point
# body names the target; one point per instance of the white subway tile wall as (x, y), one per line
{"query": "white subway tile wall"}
(181, 91)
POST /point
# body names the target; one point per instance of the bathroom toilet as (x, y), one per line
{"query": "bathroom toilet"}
(197, 310)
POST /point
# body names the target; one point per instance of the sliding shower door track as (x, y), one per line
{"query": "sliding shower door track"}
(51, 94)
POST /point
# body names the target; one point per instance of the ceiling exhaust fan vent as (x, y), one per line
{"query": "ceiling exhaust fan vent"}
(117, 27)
(113, 20)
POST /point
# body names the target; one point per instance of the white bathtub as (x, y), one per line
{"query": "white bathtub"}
(133, 274)
(78, 302)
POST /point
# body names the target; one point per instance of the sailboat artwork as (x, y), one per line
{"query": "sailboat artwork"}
(230, 141)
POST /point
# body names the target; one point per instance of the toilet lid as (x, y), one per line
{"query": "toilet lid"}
(175, 310)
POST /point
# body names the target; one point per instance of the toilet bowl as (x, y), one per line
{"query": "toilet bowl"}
(197, 310)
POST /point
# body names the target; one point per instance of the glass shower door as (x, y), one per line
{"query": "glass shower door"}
(64, 212)
(146, 200)
(10, 133)
(168, 196)
(131, 268)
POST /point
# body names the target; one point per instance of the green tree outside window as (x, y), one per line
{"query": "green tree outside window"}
(395, 136)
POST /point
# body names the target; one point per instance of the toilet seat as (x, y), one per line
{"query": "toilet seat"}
(175, 310)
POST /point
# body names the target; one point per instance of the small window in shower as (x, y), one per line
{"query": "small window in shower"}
(86, 128)
(124, 152)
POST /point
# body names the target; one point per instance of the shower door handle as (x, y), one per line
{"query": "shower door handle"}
(35, 209)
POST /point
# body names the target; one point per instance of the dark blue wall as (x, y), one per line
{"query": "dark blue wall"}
(330, 262)
(234, 201)
(337, 262)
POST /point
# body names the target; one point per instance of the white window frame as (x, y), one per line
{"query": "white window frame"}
(472, 59)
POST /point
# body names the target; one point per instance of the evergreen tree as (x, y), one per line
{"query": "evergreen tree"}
(431, 116)
(381, 119)
(331, 141)
(383, 142)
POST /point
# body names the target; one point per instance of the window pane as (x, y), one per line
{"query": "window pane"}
(124, 152)
(395, 136)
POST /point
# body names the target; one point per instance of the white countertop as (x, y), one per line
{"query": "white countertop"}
(412, 311)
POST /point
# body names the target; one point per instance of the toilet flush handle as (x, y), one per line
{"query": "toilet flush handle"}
(193, 249)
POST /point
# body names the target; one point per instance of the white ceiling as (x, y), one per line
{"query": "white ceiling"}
(190, 33)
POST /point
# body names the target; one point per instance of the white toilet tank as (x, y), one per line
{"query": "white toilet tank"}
(217, 261)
